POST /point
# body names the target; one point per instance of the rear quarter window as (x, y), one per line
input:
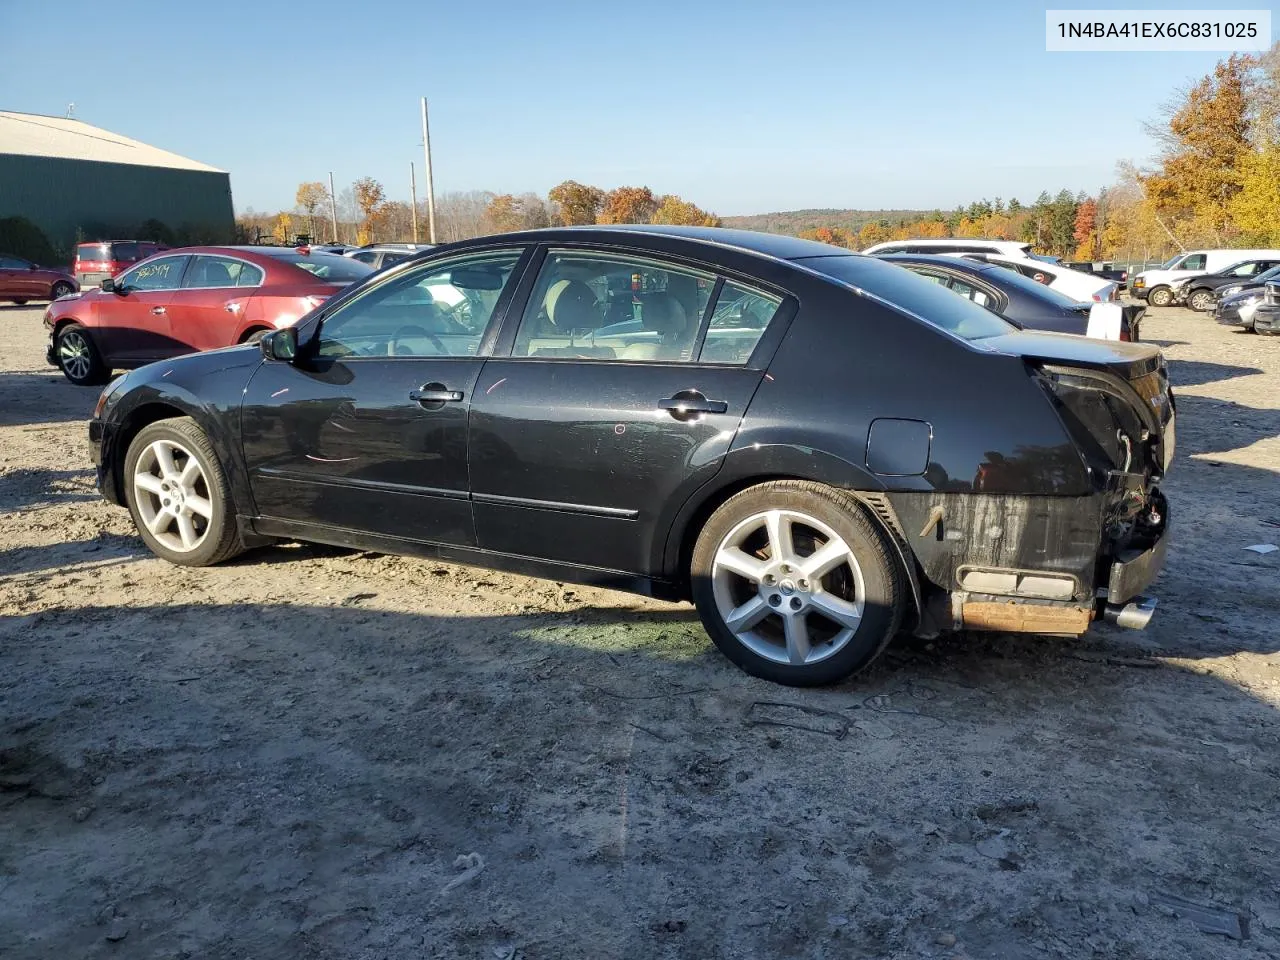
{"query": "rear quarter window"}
(924, 298)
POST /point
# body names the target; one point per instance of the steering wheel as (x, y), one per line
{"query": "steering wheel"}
(397, 349)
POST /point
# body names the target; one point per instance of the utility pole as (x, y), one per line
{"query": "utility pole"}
(413, 200)
(431, 194)
(333, 209)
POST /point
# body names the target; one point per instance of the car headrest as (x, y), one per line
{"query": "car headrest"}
(571, 305)
(685, 289)
(663, 313)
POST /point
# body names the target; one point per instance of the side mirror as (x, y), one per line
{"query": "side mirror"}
(108, 285)
(33, 266)
(280, 344)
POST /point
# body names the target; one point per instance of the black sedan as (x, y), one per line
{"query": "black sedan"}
(1203, 290)
(847, 452)
(1012, 295)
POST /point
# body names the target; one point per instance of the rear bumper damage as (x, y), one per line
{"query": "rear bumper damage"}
(1030, 564)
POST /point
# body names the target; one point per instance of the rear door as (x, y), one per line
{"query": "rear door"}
(621, 391)
(132, 324)
(206, 312)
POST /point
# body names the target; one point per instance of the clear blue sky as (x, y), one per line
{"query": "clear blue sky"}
(742, 106)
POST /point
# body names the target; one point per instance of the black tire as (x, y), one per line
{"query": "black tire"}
(1201, 301)
(254, 336)
(78, 357)
(19, 303)
(220, 536)
(61, 289)
(884, 594)
(1160, 297)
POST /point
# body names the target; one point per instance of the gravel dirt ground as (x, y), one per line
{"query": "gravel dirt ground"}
(297, 754)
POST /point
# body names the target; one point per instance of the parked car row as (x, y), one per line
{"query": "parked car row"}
(1049, 271)
(819, 449)
(1159, 286)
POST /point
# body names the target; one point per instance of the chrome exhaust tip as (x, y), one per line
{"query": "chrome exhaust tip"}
(1134, 615)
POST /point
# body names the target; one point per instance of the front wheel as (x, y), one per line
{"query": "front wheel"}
(61, 289)
(178, 494)
(1200, 301)
(78, 358)
(795, 584)
(1160, 297)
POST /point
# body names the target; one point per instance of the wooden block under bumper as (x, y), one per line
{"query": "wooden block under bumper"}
(1025, 618)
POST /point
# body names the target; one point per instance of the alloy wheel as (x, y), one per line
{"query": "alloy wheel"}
(172, 494)
(1200, 301)
(74, 355)
(788, 587)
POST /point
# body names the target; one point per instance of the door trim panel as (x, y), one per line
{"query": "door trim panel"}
(609, 513)
(358, 484)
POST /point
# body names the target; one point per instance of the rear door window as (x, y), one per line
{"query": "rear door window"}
(93, 252)
(741, 316)
(212, 272)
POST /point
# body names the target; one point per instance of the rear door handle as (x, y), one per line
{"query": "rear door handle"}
(435, 393)
(157, 310)
(689, 403)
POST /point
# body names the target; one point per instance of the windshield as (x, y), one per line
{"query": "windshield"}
(909, 291)
(1010, 277)
(327, 266)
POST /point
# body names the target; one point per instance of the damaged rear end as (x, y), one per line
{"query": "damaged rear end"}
(1050, 541)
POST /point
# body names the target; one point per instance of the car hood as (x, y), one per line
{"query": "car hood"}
(1129, 360)
(1244, 293)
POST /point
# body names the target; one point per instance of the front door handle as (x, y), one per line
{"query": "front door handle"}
(435, 393)
(688, 404)
(157, 310)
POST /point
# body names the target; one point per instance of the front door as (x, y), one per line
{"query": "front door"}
(132, 324)
(18, 280)
(367, 430)
(626, 383)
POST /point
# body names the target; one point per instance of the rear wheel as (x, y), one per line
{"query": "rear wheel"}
(1160, 297)
(795, 584)
(253, 336)
(1200, 301)
(178, 494)
(61, 289)
(78, 358)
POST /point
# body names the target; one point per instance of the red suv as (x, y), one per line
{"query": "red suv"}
(97, 261)
(181, 301)
(21, 280)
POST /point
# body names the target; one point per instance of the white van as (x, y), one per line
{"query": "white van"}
(1156, 286)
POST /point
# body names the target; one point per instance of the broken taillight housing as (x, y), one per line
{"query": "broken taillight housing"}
(1104, 416)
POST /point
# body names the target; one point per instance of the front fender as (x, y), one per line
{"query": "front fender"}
(199, 386)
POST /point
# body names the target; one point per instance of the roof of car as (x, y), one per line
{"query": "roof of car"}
(776, 245)
(941, 260)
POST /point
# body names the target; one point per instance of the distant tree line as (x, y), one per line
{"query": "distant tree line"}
(1216, 182)
(365, 215)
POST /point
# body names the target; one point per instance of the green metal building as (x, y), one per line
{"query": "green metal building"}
(76, 181)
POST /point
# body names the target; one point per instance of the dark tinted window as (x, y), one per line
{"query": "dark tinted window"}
(93, 251)
(12, 263)
(327, 266)
(221, 272)
(1009, 277)
(929, 301)
(128, 252)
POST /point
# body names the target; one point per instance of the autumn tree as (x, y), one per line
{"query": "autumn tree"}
(1085, 233)
(502, 215)
(1255, 209)
(371, 199)
(628, 205)
(872, 233)
(832, 235)
(929, 229)
(283, 228)
(673, 210)
(576, 203)
(1205, 144)
(310, 197)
